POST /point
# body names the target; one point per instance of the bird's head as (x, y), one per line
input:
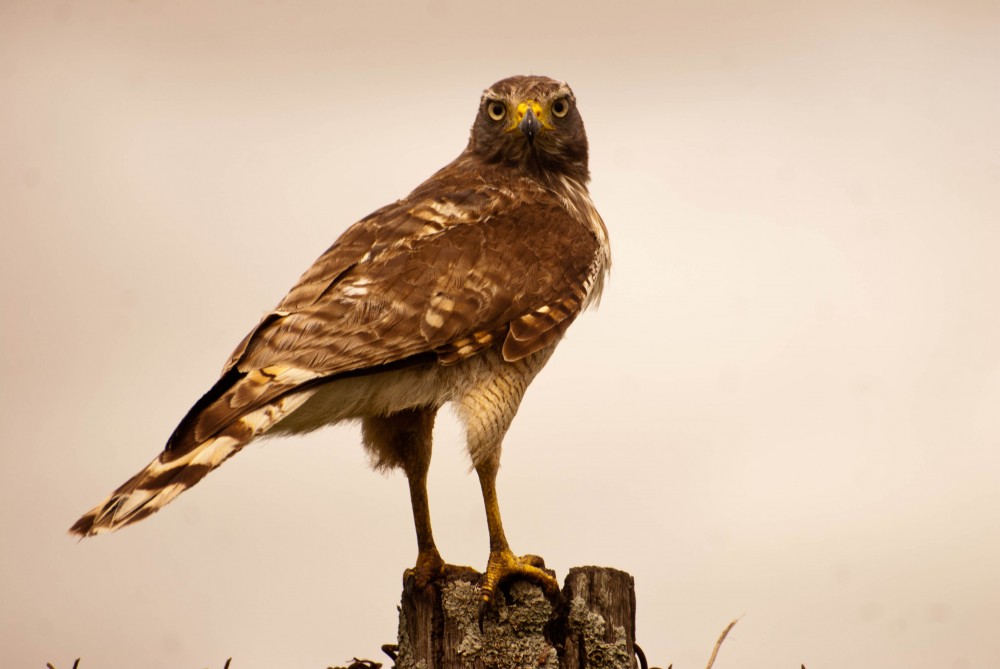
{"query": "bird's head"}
(531, 122)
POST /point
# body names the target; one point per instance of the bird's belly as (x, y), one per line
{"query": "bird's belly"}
(372, 395)
(430, 385)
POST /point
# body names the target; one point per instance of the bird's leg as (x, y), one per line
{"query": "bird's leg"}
(487, 408)
(403, 439)
(503, 564)
(429, 562)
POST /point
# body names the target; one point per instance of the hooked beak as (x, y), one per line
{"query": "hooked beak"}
(529, 125)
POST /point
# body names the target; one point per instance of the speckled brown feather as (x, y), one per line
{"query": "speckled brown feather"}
(511, 267)
(500, 250)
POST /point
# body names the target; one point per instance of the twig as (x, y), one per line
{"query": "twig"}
(360, 664)
(392, 650)
(641, 655)
(718, 644)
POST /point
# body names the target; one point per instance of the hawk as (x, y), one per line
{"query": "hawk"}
(458, 293)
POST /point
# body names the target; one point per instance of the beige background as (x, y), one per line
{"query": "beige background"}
(785, 409)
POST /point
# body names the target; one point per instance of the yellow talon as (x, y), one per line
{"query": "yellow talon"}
(429, 567)
(504, 565)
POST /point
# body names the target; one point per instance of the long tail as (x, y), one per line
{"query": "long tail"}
(173, 472)
(156, 485)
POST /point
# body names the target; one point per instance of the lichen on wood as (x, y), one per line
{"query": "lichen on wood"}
(591, 629)
(512, 634)
(591, 624)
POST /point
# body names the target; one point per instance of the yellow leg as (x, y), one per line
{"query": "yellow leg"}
(403, 440)
(503, 564)
(429, 563)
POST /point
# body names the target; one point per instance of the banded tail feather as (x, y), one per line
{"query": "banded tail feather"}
(152, 488)
(176, 470)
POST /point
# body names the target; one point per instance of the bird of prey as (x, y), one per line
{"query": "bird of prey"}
(457, 293)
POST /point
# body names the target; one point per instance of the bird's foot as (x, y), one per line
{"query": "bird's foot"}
(504, 565)
(429, 568)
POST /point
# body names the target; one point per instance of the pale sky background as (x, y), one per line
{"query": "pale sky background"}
(786, 407)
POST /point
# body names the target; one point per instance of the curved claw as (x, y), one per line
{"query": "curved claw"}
(429, 567)
(504, 565)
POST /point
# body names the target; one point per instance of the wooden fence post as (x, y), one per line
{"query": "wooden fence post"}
(589, 625)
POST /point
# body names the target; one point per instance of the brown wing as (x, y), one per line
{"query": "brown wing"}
(523, 271)
(435, 279)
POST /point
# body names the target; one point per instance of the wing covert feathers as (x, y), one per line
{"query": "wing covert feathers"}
(438, 275)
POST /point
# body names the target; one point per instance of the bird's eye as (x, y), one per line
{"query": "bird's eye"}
(496, 109)
(560, 107)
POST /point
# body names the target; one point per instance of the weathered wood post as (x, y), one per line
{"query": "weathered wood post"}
(589, 625)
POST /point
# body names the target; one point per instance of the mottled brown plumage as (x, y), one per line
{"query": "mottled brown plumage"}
(457, 293)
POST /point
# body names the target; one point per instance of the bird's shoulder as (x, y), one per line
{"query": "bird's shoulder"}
(442, 202)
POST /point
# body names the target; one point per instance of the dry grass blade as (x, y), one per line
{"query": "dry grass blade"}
(718, 644)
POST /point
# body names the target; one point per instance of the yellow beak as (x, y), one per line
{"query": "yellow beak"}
(522, 110)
